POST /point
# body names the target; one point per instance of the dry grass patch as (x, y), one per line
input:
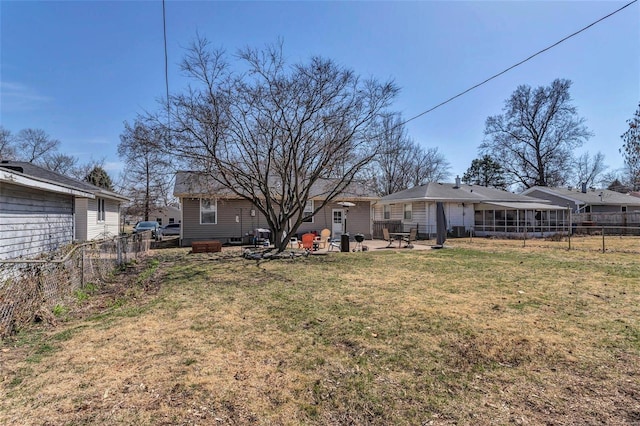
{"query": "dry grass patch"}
(478, 333)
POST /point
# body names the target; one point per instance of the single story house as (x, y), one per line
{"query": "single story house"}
(468, 208)
(586, 200)
(591, 206)
(163, 215)
(209, 211)
(41, 211)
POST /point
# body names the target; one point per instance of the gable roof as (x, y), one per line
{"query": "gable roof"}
(598, 197)
(451, 192)
(199, 184)
(46, 177)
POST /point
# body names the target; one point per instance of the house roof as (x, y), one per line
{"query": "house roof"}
(45, 177)
(198, 184)
(597, 197)
(451, 192)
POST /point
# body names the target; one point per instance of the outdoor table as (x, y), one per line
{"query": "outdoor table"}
(399, 236)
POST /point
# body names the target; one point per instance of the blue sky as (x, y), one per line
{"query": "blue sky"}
(79, 69)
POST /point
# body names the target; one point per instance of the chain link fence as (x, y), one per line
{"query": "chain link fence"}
(30, 289)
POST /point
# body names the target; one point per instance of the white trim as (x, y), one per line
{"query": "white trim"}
(16, 179)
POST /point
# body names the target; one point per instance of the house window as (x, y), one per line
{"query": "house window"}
(408, 211)
(159, 220)
(208, 211)
(624, 209)
(308, 212)
(386, 212)
(101, 210)
(172, 220)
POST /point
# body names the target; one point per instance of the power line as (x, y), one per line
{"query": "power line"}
(517, 64)
(166, 59)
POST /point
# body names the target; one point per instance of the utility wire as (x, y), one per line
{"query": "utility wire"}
(516, 65)
(166, 61)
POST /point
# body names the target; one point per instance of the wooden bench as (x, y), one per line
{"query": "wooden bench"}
(213, 246)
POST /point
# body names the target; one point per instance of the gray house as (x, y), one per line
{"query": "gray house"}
(41, 211)
(586, 200)
(210, 211)
(469, 208)
(591, 207)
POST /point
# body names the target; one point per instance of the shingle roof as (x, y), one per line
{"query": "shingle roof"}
(42, 174)
(590, 197)
(196, 184)
(463, 193)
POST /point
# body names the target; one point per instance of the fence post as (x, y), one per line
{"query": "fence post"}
(82, 266)
(603, 248)
(569, 227)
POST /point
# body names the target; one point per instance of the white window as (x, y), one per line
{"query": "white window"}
(308, 212)
(408, 211)
(208, 211)
(386, 212)
(101, 210)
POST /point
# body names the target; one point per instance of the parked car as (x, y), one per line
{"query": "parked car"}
(170, 229)
(152, 226)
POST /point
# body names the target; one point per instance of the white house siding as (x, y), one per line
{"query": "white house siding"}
(87, 225)
(165, 215)
(81, 218)
(424, 216)
(33, 221)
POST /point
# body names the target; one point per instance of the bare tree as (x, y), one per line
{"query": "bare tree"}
(631, 149)
(389, 172)
(60, 163)
(276, 134)
(34, 145)
(534, 138)
(428, 165)
(589, 170)
(401, 163)
(147, 172)
(7, 145)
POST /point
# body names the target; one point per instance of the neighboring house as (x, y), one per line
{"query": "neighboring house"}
(165, 215)
(468, 208)
(209, 213)
(586, 200)
(41, 211)
(162, 215)
(592, 206)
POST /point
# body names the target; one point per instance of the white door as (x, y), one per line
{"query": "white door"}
(337, 224)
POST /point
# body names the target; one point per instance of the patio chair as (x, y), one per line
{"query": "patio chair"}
(386, 237)
(323, 238)
(308, 242)
(413, 235)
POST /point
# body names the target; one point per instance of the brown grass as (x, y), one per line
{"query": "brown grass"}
(483, 332)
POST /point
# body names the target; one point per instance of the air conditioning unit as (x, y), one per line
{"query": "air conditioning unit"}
(459, 231)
